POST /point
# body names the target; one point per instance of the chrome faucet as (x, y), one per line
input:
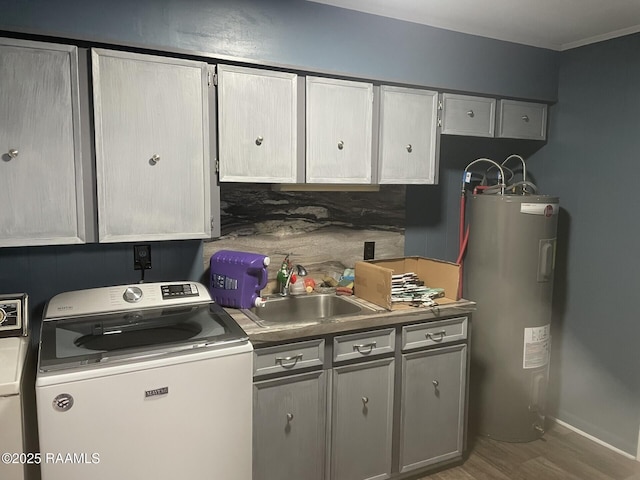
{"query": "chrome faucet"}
(286, 272)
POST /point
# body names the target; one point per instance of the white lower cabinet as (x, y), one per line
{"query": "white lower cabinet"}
(432, 406)
(361, 406)
(289, 427)
(362, 421)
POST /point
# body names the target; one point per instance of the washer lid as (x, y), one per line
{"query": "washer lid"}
(12, 357)
(135, 334)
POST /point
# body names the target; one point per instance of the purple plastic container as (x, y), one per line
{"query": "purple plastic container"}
(237, 277)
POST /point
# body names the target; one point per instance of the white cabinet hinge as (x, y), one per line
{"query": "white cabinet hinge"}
(440, 107)
(212, 79)
(217, 166)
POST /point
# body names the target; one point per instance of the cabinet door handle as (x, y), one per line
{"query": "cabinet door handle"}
(365, 400)
(361, 347)
(293, 358)
(409, 148)
(436, 383)
(340, 145)
(289, 417)
(525, 118)
(259, 140)
(154, 159)
(471, 114)
(431, 336)
(13, 153)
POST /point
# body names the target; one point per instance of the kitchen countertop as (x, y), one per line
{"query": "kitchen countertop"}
(291, 331)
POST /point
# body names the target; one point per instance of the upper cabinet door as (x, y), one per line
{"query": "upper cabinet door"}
(465, 115)
(522, 120)
(41, 192)
(258, 122)
(408, 136)
(152, 147)
(339, 131)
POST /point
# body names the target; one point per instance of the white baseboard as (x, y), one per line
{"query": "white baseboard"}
(596, 440)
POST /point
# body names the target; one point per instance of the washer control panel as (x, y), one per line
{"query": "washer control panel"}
(178, 290)
(13, 311)
(93, 301)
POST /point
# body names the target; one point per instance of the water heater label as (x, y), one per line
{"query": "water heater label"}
(536, 349)
(546, 209)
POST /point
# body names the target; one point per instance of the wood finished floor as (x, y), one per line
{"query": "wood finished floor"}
(560, 455)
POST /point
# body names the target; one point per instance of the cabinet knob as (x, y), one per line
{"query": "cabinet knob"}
(13, 153)
(259, 141)
(470, 114)
(436, 383)
(340, 145)
(289, 417)
(365, 400)
(154, 159)
(525, 118)
(409, 148)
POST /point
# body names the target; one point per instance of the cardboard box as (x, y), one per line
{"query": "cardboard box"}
(373, 278)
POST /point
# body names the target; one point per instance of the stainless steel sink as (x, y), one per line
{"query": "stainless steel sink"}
(305, 308)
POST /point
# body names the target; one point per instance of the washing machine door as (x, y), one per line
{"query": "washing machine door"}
(125, 336)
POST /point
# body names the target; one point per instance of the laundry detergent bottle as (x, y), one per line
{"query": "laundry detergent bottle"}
(236, 278)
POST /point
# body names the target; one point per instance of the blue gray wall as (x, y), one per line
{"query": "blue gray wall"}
(302, 35)
(591, 162)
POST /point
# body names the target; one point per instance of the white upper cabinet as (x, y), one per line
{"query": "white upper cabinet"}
(408, 151)
(522, 120)
(466, 115)
(152, 147)
(339, 131)
(258, 126)
(41, 176)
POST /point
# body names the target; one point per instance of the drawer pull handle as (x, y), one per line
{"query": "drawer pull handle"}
(259, 140)
(525, 118)
(431, 336)
(365, 400)
(13, 153)
(154, 159)
(340, 145)
(436, 383)
(293, 358)
(360, 347)
(289, 417)
(471, 114)
(409, 148)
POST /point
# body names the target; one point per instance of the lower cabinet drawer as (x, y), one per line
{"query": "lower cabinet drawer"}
(364, 344)
(288, 357)
(434, 333)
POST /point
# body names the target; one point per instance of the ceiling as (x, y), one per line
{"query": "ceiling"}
(552, 24)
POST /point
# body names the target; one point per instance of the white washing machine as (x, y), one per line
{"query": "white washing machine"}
(13, 352)
(143, 381)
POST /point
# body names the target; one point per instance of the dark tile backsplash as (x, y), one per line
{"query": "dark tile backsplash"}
(324, 231)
